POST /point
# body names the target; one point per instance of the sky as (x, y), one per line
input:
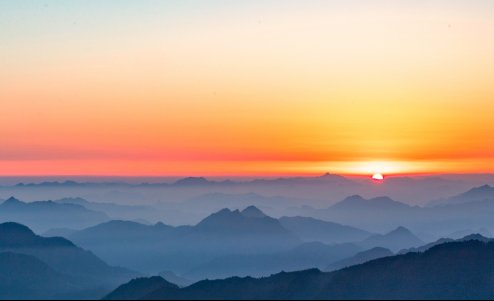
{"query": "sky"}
(246, 87)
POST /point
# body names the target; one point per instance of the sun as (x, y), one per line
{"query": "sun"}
(377, 177)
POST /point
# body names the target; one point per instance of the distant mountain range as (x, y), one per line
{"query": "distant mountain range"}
(356, 202)
(440, 241)
(303, 256)
(360, 258)
(376, 214)
(246, 242)
(234, 242)
(383, 213)
(140, 287)
(43, 215)
(159, 247)
(198, 181)
(34, 266)
(311, 229)
(455, 270)
(26, 277)
(114, 211)
(476, 194)
(396, 240)
(318, 189)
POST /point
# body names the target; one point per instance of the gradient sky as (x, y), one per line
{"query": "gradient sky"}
(246, 87)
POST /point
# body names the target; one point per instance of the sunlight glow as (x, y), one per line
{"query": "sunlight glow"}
(377, 177)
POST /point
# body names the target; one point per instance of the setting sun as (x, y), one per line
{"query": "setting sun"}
(377, 177)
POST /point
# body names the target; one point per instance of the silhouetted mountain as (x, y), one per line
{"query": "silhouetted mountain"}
(179, 249)
(311, 229)
(445, 240)
(249, 223)
(375, 214)
(193, 181)
(87, 270)
(14, 235)
(481, 193)
(253, 212)
(122, 230)
(52, 184)
(173, 278)
(139, 287)
(360, 258)
(26, 277)
(398, 239)
(426, 246)
(114, 211)
(43, 215)
(357, 202)
(323, 179)
(304, 256)
(462, 233)
(457, 270)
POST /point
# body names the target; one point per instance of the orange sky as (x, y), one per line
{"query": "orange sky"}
(259, 87)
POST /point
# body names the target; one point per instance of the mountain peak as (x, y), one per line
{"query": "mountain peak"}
(253, 212)
(354, 198)
(484, 187)
(219, 218)
(139, 287)
(15, 229)
(328, 175)
(401, 231)
(475, 236)
(480, 190)
(383, 199)
(14, 234)
(17, 235)
(192, 181)
(12, 201)
(475, 194)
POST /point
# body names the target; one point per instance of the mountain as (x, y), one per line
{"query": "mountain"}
(114, 211)
(457, 270)
(360, 258)
(173, 278)
(382, 213)
(250, 223)
(26, 277)
(61, 255)
(179, 249)
(481, 193)
(134, 245)
(375, 214)
(44, 215)
(253, 212)
(462, 233)
(139, 287)
(426, 246)
(14, 235)
(398, 239)
(311, 229)
(192, 181)
(446, 240)
(326, 178)
(130, 231)
(356, 202)
(303, 256)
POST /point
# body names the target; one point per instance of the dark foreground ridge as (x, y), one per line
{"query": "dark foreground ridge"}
(453, 270)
